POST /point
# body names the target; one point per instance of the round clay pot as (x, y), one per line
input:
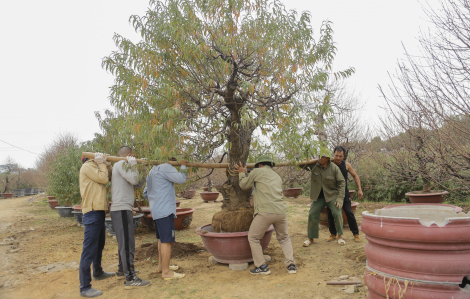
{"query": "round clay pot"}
(64, 211)
(145, 220)
(178, 202)
(188, 194)
(183, 219)
(455, 208)
(292, 192)
(230, 248)
(109, 223)
(50, 197)
(351, 193)
(52, 203)
(427, 245)
(324, 215)
(78, 216)
(432, 197)
(8, 195)
(209, 196)
(205, 188)
(77, 208)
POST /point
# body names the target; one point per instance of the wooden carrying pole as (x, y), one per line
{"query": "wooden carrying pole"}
(195, 164)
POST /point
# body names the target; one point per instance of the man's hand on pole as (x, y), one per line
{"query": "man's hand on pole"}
(182, 162)
(339, 204)
(239, 168)
(131, 160)
(99, 158)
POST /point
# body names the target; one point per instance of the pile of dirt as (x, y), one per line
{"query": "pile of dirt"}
(356, 254)
(178, 250)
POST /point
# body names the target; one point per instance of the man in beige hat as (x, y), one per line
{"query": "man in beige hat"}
(269, 209)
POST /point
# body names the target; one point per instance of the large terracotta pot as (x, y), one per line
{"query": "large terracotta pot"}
(8, 195)
(292, 192)
(52, 203)
(324, 215)
(64, 211)
(230, 248)
(205, 188)
(188, 194)
(427, 245)
(432, 197)
(351, 193)
(183, 219)
(209, 196)
(178, 202)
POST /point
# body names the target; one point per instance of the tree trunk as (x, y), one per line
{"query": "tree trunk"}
(236, 214)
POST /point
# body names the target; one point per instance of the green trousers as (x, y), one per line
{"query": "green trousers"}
(314, 217)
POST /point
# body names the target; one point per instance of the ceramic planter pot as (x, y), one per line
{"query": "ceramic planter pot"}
(64, 211)
(230, 248)
(324, 215)
(109, 223)
(8, 195)
(432, 197)
(52, 204)
(351, 193)
(292, 192)
(77, 208)
(209, 196)
(205, 188)
(188, 194)
(148, 222)
(78, 216)
(183, 219)
(50, 197)
(426, 244)
(178, 202)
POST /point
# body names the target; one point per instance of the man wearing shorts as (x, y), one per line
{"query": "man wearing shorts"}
(160, 193)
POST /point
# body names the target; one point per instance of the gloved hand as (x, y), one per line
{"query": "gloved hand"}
(131, 160)
(99, 158)
(339, 205)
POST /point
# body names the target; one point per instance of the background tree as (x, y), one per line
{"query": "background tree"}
(211, 75)
(428, 98)
(11, 169)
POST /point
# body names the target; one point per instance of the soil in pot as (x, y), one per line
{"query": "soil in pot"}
(209, 196)
(64, 211)
(8, 195)
(434, 196)
(233, 221)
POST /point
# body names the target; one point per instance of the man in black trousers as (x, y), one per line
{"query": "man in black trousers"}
(345, 167)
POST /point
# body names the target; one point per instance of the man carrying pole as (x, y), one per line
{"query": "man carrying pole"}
(269, 209)
(345, 167)
(122, 193)
(160, 192)
(326, 189)
(93, 180)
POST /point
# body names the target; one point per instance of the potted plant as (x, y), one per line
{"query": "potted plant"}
(64, 180)
(291, 177)
(52, 201)
(10, 167)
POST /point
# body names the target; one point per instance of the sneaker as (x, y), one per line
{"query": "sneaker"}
(120, 274)
(135, 283)
(357, 238)
(104, 275)
(261, 270)
(90, 293)
(292, 269)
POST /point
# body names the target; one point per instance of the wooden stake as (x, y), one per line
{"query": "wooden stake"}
(196, 164)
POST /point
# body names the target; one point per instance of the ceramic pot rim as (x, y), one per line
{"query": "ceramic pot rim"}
(427, 194)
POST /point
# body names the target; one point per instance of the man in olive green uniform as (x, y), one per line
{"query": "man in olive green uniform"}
(269, 209)
(327, 187)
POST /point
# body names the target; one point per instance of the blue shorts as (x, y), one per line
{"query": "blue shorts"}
(165, 229)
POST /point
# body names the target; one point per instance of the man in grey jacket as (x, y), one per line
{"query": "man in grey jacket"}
(124, 177)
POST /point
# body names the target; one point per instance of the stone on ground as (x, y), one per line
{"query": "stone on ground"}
(238, 267)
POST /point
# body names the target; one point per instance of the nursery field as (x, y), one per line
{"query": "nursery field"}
(40, 253)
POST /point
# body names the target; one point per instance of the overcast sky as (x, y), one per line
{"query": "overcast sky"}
(51, 78)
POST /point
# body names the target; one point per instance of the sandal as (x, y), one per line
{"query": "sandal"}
(341, 242)
(175, 276)
(307, 243)
(172, 268)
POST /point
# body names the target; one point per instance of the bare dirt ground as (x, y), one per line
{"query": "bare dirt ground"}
(40, 253)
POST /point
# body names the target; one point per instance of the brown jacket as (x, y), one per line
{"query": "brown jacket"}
(93, 180)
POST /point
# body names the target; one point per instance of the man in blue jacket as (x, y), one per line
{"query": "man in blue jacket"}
(160, 193)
